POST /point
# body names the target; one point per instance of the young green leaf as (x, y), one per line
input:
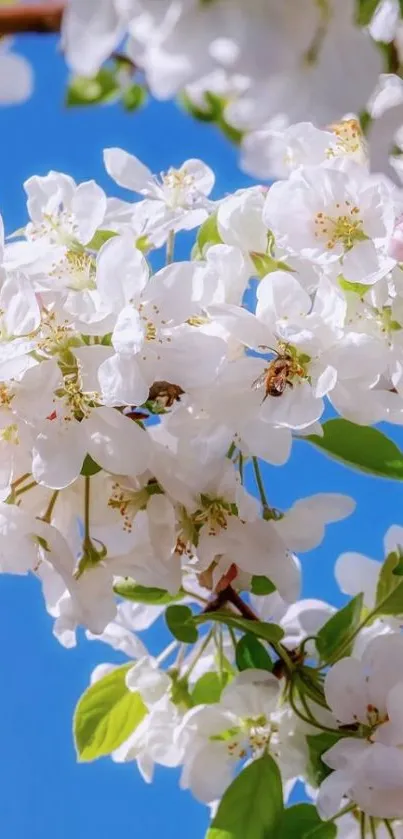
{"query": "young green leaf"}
(318, 744)
(143, 594)
(360, 447)
(268, 631)
(333, 636)
(262, 586)
(252, 807)
(178, 620)
(250, 653)
(302, 821)
(106, 714)
(99, 238)
(208, 689)
(133, 97)
(208, 235)
(389, 592)
(101, 88)
(353, 288)
(265, 264)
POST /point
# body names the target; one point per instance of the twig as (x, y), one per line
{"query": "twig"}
(41, 18)
(229, 595)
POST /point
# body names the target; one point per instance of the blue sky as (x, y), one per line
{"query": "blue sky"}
(44, 793)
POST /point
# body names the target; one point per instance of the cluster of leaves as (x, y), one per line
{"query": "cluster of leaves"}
(113, 83)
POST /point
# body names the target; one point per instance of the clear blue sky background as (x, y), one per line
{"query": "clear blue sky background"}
(44, 793)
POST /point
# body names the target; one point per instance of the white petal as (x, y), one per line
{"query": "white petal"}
(89, 208)
(16, 79)
(128, 171)
(117, 443)
(281, 295)
(346, 691)
(122, 272)
(128, 335)
(91, 30)
(121, 382)
(203, 176)
(331, 792)
(58, 454)
(357, 573)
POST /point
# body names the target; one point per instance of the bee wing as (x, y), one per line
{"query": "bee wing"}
(260, 381)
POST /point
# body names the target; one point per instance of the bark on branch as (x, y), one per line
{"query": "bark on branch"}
(42, 18)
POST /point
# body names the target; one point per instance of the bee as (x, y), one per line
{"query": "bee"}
(165, 393)
(277, 375)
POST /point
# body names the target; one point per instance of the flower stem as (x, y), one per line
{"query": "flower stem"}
(362, 825)
(372, 827)
(343, 812)
(199, 652)
(87, 503)
(389, 829)
(49, 510)
(259, 482)
(26, 488)
(170, 247)
(167, 652)
(20, 480)
(240, 466)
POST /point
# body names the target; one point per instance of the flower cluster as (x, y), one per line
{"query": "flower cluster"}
(256, 69)
(136, 403)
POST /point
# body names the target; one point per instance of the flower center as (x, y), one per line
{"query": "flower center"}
(344, 229)
(178, 184)
(79, 403)
(213, 514)
(77, 270)
(59, 227)
(349, 138)
(128, 502)
(9, 434)
(5, 396)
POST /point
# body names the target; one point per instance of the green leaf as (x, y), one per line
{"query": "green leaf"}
(303, 822)
(101, 88)
(250, 653)
(106, 715)
(89, 467)
(204, 114)
(252, 807)
(208, 689)
(265, 264)
(178, 620)
(335, 632)
(230, 132)
(365, 11)
(354, 288)
(143, 594)
(318, 744)
(134, 97)
(268, 631)
(99, 238)
(360, 447)
(389, 592)
(207, 235)
(262, 586)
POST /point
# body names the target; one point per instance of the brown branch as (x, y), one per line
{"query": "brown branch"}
(42, 18)
(229, 595)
